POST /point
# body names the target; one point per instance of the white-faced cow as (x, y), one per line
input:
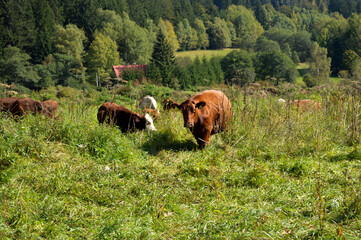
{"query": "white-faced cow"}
(206, 113)
(125, 119)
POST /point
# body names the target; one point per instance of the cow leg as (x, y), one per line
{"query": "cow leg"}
(205, 139)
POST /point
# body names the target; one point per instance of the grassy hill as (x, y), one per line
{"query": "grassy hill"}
(277, 173)
(204, 53)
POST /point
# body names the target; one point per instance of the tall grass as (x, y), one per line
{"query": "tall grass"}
(276, 173)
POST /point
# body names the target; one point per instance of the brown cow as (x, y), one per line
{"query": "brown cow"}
(169, 104)
(23, 106)
(6, 103)
(125, 119)
(106, 112)
(206, 113)
(50, 108)
(306, 105)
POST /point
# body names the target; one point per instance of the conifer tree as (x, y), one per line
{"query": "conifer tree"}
(163, 57)
(44, 22)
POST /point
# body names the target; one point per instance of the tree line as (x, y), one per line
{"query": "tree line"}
(51, 42)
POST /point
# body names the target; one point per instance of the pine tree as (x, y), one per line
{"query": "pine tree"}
(163, 57)
(45, 24)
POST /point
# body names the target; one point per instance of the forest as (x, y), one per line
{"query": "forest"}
(74, 43)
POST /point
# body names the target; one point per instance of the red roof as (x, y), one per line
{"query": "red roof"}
(119, 69)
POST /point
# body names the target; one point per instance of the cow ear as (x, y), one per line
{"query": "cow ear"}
(200, 105)
(175, 105)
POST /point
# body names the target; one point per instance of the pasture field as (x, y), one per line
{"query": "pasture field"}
(204, 53)
(277, 173)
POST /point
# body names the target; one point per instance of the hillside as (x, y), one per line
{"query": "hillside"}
(276, 173)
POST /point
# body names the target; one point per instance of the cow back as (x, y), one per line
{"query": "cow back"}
(7, 103)
(217, 107)
(23, 106)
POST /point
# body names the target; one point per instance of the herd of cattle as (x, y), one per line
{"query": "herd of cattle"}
(205, 113)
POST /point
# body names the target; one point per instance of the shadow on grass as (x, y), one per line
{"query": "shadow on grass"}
(354, 155)
(166, 140)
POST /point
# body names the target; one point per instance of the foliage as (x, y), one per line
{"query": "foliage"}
(134, 43)
(168, 31)
(102, 56)
(187, 36)
(163, 57)
(219, 34)
(16, 68)
(275, 19)
(69, 41)
(275, 65)
(319, 64)
(64, 70)
(44, 24)
(238, 68)
(42, 28)
(202, 37)
(248, 29)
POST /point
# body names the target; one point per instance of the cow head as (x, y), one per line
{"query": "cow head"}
(190, 111)
(149, 123)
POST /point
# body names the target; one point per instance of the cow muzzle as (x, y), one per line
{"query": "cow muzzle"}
(189, 125)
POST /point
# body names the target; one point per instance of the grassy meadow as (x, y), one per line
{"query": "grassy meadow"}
(204, 53)
(277, 173)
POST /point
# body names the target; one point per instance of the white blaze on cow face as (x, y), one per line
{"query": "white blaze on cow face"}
(149, 123)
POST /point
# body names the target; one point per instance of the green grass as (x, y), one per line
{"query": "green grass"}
(204, 53)
(276, 173)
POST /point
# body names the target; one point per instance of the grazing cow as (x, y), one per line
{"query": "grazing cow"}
(169, 104)
(306, 105)
(152, 112)
(148, 102)
(7, 103)
(50, 108)
(125, 119)
(107, 112)
(23, 106)
(206, 113)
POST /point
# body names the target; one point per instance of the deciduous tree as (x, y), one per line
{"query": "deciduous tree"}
(69, 41)
(15, 68)
(102, 56)
(319, 63)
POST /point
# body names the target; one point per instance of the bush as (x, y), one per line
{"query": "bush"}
(67, 92)
(309, 81)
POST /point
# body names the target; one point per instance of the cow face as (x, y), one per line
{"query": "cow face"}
(149, 123)
(190, 112)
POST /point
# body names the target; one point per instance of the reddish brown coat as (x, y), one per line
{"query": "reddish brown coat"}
(206, 113)
(6, 103)
(307, 105)
(23, 106)
(106, 112)
(50, 107)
